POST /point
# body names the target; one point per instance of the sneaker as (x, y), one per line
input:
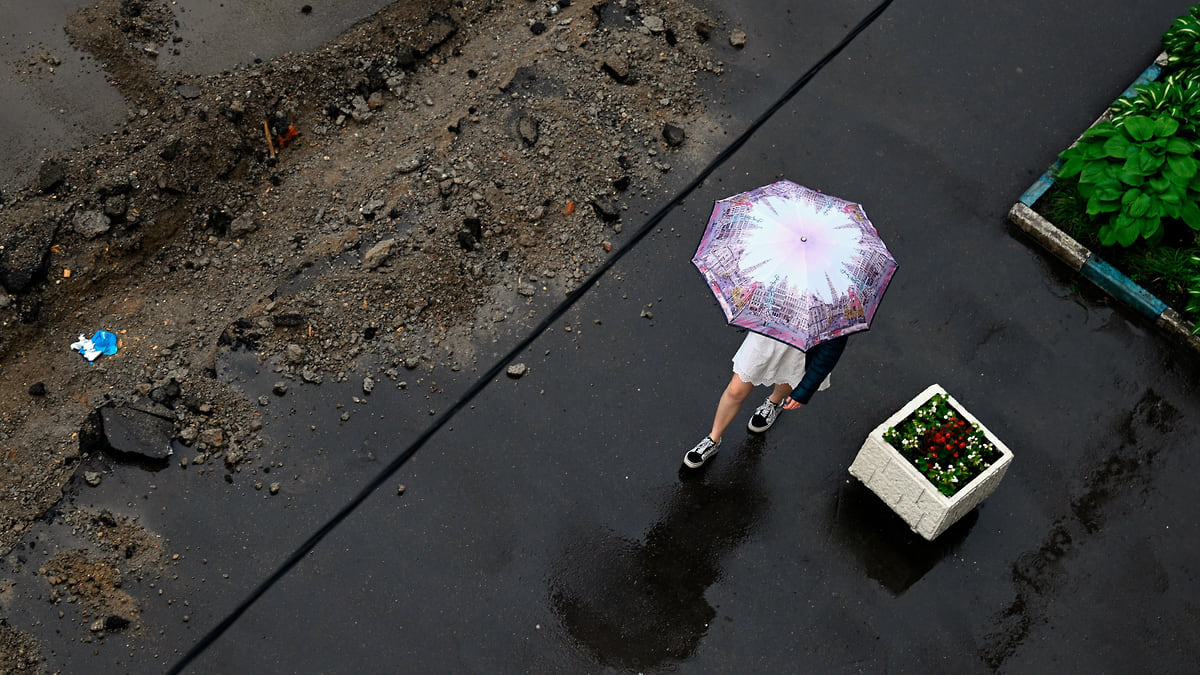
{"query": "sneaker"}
(700, 454)
(764, 416)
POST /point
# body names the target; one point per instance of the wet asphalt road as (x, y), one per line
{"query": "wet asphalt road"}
(547, 527)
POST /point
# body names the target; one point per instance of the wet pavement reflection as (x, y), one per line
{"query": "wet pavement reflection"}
(883, 545)
(493, 561)
(640, 604)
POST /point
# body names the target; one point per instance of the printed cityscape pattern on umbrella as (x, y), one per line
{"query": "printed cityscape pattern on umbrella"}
(794, 264)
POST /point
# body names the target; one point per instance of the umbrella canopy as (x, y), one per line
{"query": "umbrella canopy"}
(794, 264)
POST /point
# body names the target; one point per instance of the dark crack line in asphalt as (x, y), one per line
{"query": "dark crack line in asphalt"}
(480, 384)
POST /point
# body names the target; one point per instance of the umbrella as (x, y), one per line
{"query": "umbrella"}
(794, 264)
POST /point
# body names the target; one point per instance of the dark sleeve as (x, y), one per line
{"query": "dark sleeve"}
(819, 361)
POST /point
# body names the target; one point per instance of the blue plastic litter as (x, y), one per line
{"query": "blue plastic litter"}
(103, 342)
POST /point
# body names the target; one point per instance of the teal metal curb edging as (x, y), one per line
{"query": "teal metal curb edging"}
(1122, 287)
(1041, 185)
(1096, 270)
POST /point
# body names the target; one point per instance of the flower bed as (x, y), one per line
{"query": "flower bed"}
(897, 462)
(942, 444)
(1164, 271)
(1129, 188)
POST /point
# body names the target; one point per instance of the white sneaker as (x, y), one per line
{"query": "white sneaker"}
(698, 455)
(764, 416)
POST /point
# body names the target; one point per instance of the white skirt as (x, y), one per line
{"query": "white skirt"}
(764, 361)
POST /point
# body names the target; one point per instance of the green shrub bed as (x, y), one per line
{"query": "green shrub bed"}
(1129, 189)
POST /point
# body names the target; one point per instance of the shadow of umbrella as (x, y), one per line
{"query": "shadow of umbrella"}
(640, 604)
(884, 545)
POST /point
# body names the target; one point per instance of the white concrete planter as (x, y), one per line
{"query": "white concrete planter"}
(898, 483)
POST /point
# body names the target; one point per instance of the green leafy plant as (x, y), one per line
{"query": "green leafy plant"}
(1134, 174)
(1193, 306)
(1137, 178)
(943, 445)
(1181, 42)
(1174, 95)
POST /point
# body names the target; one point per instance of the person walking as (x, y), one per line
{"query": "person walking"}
(765, 361)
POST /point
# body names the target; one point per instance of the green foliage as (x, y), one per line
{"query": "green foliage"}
(1063, 206)
(1137, 174)
(1173, 96)
(1167, 268)
(1181, 42)
(1193, 306)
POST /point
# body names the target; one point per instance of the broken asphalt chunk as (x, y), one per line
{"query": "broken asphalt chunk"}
(140, 431)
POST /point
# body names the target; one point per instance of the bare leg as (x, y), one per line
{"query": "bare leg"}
(780, 392)
(731, 401)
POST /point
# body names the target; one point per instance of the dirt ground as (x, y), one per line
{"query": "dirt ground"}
(397, 194)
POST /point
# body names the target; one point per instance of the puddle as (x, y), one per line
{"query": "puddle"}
(58, 98)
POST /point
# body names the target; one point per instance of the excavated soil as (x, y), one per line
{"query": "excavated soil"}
(398, 197)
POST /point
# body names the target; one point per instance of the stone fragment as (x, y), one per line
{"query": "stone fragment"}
(51, 174)
(616, 64)
(213, 437)
(170, 149)
(606, 208)
(293, 354)
(673, 135)
(243, 225)
(371, 208)
(91, 223)
(188, 91)
(527, 128)
(377, 254)
(189, 435)
(234, 456)
(116, 206)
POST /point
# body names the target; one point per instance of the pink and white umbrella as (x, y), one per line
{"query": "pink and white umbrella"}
(794, 264)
